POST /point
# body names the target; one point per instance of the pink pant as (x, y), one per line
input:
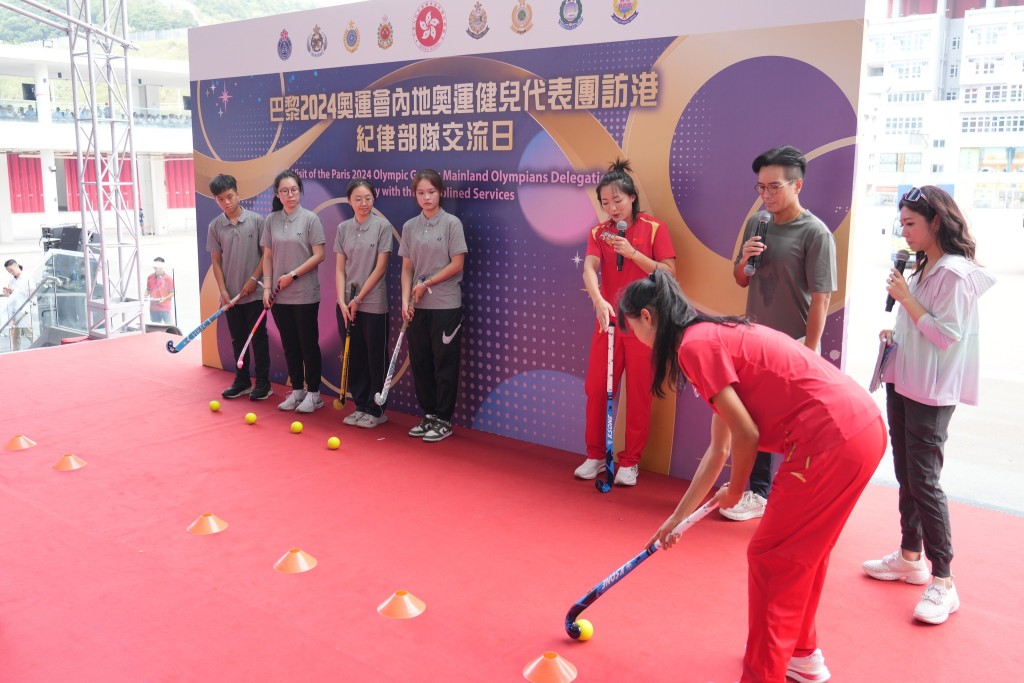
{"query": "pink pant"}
(788, 555)
(635, 358)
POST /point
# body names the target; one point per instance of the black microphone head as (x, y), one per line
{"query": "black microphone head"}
(902, 256)
(763, 217)
(621, 227)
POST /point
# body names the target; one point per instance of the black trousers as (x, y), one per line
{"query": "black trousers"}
(435, 350)
(368, 358)
(241, 318)
(761, 475)
(300, 337)
(918, 434)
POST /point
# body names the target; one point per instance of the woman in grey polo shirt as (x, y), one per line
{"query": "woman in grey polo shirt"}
(433, 251)
(362, 245)
(293, 246)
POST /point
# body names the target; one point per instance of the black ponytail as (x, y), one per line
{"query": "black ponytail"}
(671, 313)
(618, 175)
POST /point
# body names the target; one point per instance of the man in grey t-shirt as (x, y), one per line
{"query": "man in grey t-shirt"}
(789, 281)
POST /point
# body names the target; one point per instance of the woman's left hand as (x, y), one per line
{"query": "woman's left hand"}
(284, 281)
(726, 498)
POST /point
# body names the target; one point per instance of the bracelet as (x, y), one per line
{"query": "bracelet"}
(634, 253)
(254, 279)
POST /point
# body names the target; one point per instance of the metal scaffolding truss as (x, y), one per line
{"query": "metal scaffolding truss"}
(106, 163)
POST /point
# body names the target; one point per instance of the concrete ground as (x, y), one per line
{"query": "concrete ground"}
(984, 455)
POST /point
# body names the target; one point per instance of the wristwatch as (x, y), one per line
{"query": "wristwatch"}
(295, 276)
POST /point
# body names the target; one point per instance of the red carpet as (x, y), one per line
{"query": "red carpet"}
(101, 582)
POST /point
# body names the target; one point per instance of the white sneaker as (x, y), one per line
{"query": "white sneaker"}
(369, 421)
(626, 476)
(937, 603)
(310, 403)
(354, 418)
(893, 567)
(294, 400)
(590, 468)
(751, 505)
(809, 669)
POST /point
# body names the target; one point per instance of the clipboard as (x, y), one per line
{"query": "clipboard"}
(884, 356)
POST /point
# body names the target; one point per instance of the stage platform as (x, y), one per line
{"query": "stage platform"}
(102, 582)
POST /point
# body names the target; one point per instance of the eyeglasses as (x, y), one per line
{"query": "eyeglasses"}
(916, 195)
(770, 190)
(285, 191)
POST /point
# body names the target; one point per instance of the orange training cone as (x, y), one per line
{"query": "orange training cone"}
(402, 605)
(207, 523)
(295, 561)
(549, 668)
(19, 442)
(68, 462)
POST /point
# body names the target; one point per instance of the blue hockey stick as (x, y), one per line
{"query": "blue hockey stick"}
(174, 348)
(571, 627)
(609, 425)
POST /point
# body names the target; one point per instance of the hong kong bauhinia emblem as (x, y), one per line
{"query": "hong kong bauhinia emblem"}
(478, 27)
(284, 46)
(522, 17)
(317, 42)
(429, 26)
(570, 14)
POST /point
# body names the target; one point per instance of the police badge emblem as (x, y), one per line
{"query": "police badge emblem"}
(478, 27)
(284, 45)
(522, 17)
(570, 14)
(351, 38)
(385, 34)
(317, 42)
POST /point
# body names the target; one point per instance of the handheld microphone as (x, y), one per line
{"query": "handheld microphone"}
(754, 262)
(621, 227)
(902, 256)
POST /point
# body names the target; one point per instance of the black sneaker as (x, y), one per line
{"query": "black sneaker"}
(423, 427)
(240, 387)
(261, 391)
(439, 431)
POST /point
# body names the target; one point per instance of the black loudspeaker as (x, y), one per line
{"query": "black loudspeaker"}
(28, 91)
(186, 102)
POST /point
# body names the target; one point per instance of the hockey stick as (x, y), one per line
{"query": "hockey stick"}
(241, 356)
(174, 348)
(609, 426)
(382, 396)
(571, 627)
(343, 388)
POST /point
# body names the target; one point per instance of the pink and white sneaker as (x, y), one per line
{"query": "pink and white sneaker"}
(809, 669)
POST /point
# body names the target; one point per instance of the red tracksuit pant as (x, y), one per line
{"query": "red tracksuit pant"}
(635, 358)
(788, 554)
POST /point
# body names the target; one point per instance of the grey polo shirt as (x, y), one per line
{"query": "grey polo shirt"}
(239, 246)
(291, 240)
(431, 244)
(361, 245)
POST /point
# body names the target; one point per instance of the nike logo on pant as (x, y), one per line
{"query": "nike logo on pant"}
(447, 338)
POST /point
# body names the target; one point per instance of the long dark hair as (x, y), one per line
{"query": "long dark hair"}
(953, 235)
(277, 205)
(617, 175)
(659, 293)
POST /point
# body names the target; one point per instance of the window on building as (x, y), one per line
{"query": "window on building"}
(905, 96)
(951, 95)
(876, 71)
(954, 44)
(888, 162)
(911, 162)
(903, 125)
(937, 168)
(938, 143)
(992, 123)
(954, 70)
(970, 96)
(955, 9)
(987, 36)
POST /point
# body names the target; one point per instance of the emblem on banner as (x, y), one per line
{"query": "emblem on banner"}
(570, 14)
(429, 26)
(624, 11)
(478, 27)
(317, 42)
(351, 37)
(385, 34)
(522, 17)
(284, 45)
